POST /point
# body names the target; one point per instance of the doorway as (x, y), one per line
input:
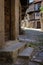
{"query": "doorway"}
(38, 24)
(7, 9)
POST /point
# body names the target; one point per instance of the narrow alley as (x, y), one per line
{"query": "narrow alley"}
(21, 32)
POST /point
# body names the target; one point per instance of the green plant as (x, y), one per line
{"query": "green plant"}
(41, 9)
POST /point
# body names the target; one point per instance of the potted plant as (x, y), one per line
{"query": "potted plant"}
(41, 18)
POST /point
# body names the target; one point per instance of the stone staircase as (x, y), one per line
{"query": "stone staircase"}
(9, 53)
(27, 52)
(17, 53)
(30, 56)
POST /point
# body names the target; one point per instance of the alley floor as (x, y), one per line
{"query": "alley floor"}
(33, 38)
(32, 35)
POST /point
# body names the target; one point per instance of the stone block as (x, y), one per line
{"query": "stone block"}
(38, 57)
(10, 52)
(33, 63)
(26, 52)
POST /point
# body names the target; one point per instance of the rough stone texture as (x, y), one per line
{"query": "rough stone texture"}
(16, 18)
(13, 46)
(23, 38)
(31, 24)
(13, 19)
(33, 34)
(21, 61)
(38, 57)
(42, 3)
(41, 18)
(26, 52)
(1, 23)
(33, 63)
(10, 52)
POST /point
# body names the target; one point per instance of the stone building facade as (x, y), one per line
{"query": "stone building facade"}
(34, 13)
(2, 23)
(10, 32)
(4, 18)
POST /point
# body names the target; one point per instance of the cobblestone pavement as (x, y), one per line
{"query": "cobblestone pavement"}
(33, 34)
(21, 62)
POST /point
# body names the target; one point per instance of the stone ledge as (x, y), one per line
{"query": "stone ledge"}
(10, 52)
(26, 52)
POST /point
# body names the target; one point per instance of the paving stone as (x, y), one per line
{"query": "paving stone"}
(33, 35)
(21, 61)
(26, 52)
(38, 57)
(33, 63)
(24, 38)
(40, 47)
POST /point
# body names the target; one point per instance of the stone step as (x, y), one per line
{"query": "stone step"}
(32, 34)
(33, 63)
(26, 52)
(38, 57)
(21, 61)
(11, 51)
(12, 47)
(24, 38)
(38, 38)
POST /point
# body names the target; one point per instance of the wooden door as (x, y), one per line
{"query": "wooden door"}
(7, 19)
(38, 24)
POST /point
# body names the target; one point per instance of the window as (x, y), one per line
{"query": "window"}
(30, 1)
(37, 15)
(37, 6)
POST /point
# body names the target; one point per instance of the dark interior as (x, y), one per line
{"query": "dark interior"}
(23, 2)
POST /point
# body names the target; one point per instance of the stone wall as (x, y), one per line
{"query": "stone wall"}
(41, 18)
(42, 3)
(31, 24)
(1, 23)
(14, 18)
